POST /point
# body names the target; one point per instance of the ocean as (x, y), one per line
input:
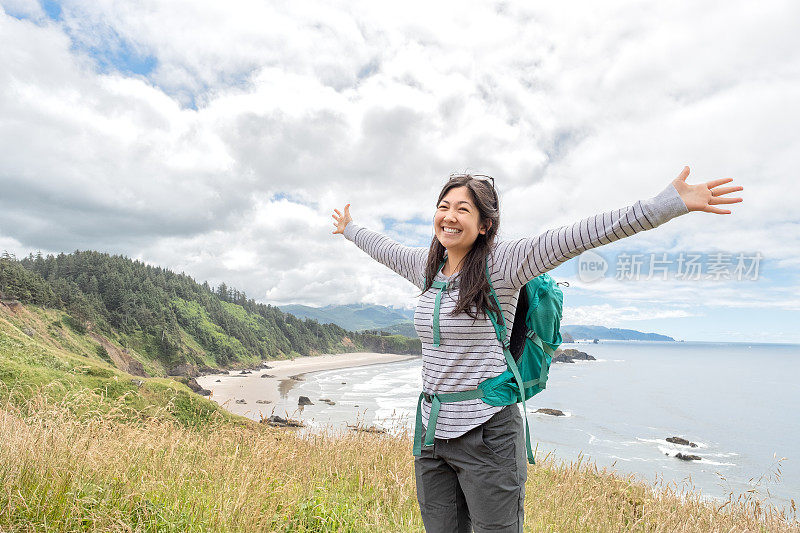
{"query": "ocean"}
(740, 403)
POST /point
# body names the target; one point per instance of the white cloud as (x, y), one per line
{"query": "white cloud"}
(574, 111)
(611, 315)
(22, 8)
(764, 293)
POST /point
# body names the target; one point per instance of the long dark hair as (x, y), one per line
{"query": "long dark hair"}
(473, 295)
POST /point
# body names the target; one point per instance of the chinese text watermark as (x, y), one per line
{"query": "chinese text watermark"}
(717, 266)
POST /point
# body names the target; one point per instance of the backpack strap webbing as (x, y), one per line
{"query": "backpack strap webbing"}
(442, 286)
(546, 350)
(436, 401)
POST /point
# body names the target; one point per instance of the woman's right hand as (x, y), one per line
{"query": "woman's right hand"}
(342, 220)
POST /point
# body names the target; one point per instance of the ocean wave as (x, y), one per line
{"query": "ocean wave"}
(609, 443)
(666, 450)
(405, 390)
(350, 395)
(655, 441)
(374, 384)
(631, 459)
(715, 463)
(618, 458)
(722, 454)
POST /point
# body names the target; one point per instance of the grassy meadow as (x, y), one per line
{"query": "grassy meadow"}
(101, 471)
(86, 447)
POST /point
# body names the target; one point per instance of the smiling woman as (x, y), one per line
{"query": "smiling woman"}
(473, 476)
(457, 225)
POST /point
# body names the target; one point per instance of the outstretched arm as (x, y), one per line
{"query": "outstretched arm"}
(407, 261)
(517, 262)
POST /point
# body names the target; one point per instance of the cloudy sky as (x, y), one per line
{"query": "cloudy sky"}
(215, 138)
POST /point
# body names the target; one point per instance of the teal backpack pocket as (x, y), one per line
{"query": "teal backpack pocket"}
(535, 336)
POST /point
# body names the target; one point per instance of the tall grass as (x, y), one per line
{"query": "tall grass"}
(104, 470)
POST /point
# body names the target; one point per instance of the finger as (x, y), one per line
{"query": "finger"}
(726, 190)
(714, 201)
(714, 183)
(710, 209)
(337, 212)
(347, 210)
(684, 173)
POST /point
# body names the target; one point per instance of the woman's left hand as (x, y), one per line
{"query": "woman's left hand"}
(704, 196)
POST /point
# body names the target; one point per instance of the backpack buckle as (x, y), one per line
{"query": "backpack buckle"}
(428, 397)
(506, 343)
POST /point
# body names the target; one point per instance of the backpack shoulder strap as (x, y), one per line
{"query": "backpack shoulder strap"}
(502, 335)
(499, 323)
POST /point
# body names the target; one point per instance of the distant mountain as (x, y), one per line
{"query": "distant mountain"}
(580, 332)
(355, 317)
(360, 317)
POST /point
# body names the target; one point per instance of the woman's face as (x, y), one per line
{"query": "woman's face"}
(456, 211)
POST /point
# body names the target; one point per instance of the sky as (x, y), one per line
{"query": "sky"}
(216, 138)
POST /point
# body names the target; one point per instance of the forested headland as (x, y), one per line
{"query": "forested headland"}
(164, 320)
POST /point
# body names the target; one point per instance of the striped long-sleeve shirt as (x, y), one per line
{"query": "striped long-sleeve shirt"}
(469, 351)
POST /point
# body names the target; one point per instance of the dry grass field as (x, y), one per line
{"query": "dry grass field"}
(66, 465)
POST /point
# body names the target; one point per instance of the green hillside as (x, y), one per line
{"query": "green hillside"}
(42, 355)
(401, 328)
(154, 322)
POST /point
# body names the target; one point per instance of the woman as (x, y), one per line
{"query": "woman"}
(474, 475)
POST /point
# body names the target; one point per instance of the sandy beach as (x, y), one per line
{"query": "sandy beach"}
(260, 394)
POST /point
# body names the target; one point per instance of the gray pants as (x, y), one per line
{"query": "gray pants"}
(475, 481)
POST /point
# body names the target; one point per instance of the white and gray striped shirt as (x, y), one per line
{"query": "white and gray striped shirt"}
(469, 351)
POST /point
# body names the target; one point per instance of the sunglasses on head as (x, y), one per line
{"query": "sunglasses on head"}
(482, 177)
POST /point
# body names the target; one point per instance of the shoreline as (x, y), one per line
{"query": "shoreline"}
(261, 394)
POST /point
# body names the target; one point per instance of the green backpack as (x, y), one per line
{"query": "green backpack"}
(528, 351)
